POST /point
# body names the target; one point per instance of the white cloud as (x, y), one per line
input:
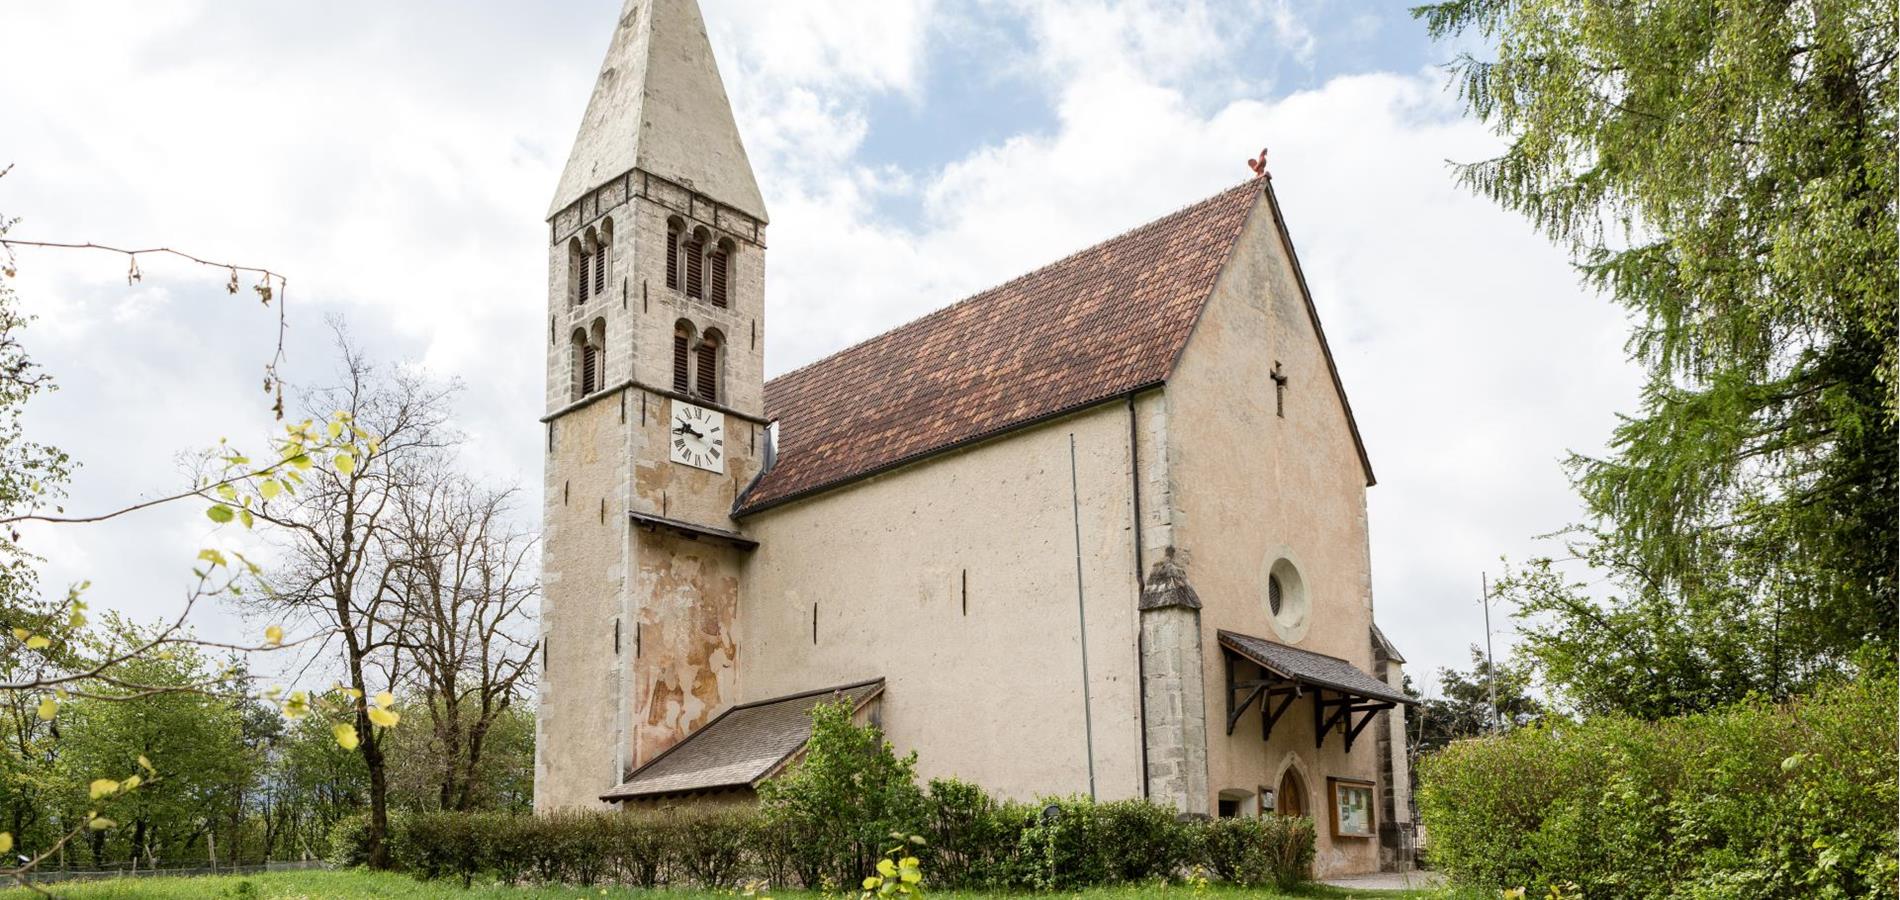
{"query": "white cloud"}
(1291, 31)
(1473, 358)
(395, 162)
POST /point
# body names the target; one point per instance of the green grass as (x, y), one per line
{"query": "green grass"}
(349, 884)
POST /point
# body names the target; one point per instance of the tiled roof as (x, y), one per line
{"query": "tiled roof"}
(1307, 667)
(1103, 322)
(739, 747)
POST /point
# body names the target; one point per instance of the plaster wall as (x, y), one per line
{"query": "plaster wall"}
(1250, 487)
(583, 567)
(955, 580)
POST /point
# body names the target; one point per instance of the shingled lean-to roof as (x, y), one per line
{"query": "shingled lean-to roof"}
(1107, 321)
(740, 747)
(1312, 669)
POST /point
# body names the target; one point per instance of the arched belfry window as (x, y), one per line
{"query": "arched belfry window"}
(586, 365)
(706, 366)
(674, 229)
(682, 349)
(590, 359)
(719, 273)
(695, 251)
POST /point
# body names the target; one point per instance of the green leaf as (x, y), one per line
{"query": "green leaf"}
(220, 513)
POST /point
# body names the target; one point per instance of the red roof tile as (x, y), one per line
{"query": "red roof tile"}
(1101, 323)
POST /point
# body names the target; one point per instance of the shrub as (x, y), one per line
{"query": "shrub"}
(1073, 842)
(570, 847)
(709, 845)
(838, 806)
(447, 844)
(972, 836)
(349, 841)
(1289, 849)
(1141, 841)
(511, 846)
(586, 840)
(1270, 850)
(1753, 800)
(1060, 848)
(641, 846)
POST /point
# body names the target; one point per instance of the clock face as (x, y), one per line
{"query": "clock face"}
(697, 437)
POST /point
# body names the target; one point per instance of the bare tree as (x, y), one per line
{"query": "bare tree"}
(468, 583)
(346, 561)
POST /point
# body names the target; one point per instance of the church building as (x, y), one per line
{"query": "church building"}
(1099, 530)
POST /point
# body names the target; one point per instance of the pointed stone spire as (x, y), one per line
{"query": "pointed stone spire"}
(659, 105)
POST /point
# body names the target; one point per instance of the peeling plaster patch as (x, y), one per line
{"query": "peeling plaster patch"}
(689, 653)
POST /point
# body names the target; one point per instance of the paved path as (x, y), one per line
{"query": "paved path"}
(1388, 881)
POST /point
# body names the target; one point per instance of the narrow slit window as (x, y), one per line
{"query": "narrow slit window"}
(600, 272)
(587, 275)
(590, 370)
(673, 255)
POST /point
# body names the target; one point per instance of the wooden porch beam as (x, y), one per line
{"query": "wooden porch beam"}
(1323, 723)
(1364, 720)
(1267, 719)
(1235, 712)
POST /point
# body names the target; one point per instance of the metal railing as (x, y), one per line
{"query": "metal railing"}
(129, 870)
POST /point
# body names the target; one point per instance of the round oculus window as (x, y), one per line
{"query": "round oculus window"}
(1286, 598)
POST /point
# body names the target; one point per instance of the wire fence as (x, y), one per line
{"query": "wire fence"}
(129, 870)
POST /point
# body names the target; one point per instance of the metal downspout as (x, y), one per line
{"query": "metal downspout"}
(1141, 654)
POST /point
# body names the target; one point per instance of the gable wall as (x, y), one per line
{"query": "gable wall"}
(1250, 487)
(993, 696)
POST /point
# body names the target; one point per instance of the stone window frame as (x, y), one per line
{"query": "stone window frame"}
(1294, 618)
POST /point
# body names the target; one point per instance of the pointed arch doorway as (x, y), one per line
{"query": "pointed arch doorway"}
(1290, 798)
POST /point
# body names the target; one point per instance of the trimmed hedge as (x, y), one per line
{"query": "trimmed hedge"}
(708, 848)
(824, 824)
(1757, 800)
(972, 841)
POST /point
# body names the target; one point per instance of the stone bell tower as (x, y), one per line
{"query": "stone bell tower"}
(655, 353)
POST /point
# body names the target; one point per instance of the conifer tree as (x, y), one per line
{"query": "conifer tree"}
(1724, 170)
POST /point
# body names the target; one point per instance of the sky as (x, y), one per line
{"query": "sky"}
(394, 161)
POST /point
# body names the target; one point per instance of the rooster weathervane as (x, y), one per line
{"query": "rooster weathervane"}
(1259, 166)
